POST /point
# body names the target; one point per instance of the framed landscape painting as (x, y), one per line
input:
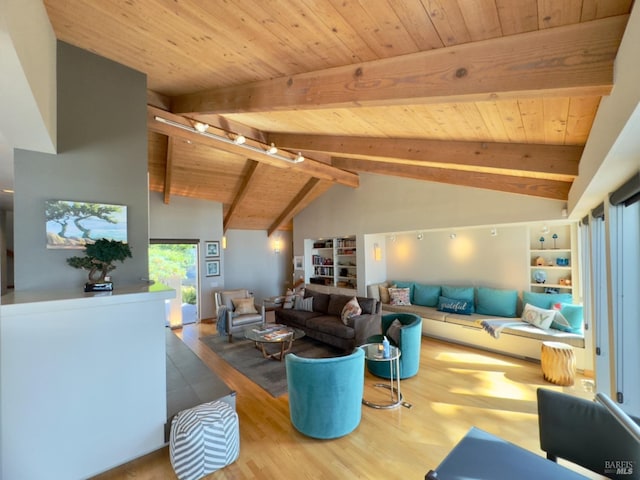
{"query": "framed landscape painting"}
(72, 225)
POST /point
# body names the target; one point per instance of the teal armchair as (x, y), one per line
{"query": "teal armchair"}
(409, 338)
(325, 394)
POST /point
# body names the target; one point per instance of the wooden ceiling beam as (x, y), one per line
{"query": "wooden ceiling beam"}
(247, 178)
(559, 162)
(309, 166)
(574, 60)
(537, 187)
(294, 205)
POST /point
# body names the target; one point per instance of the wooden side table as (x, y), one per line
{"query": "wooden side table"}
(558, 363)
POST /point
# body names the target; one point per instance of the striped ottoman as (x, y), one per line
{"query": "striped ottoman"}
(204, 439)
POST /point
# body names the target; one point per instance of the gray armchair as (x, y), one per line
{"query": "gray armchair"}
(236, 310)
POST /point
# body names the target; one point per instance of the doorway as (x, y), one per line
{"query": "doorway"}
(175, 263)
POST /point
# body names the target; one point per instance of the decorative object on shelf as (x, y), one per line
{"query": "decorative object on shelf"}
(541, 243)
(555, 237)
(540, 276)
(551, 291)
(565, 282)
(539, 261)
(98, 259)
(212, 249)
(562, 262)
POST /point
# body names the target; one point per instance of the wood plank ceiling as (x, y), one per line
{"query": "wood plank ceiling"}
(497, 94)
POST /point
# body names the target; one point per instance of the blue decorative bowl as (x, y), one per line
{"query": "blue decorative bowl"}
(540, 276)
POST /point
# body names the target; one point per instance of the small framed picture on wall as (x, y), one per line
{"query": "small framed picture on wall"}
(212, 268)
(297, 262)
(212, 249)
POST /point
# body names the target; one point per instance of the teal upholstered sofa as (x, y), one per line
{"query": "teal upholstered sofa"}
(325, 394)
(407, 339)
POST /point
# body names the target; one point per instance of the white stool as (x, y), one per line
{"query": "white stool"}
(204, 439)
(558, 363)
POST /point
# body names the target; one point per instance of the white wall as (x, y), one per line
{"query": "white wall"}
(250, 262)
(193, 219)
(474, 257)
(385, 205)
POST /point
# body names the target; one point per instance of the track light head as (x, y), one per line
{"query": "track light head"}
(272, 150)
(240, 139)
(299, 158)
(201, 127)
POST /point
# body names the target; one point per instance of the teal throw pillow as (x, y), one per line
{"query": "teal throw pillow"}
(545, 300)
(408, 285)
(501, 303)
(459, 293)
(426, 295)
(455, 305)
(569, 318)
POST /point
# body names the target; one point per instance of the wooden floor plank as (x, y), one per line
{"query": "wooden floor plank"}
(455, 389)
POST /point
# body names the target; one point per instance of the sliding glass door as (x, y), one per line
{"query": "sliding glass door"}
(175, 263)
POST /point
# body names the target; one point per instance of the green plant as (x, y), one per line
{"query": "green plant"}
(99, 258)
(189, 295)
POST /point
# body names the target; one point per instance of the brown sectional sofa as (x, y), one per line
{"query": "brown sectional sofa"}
(324, 323)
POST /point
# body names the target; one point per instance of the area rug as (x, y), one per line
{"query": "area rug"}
(269, 374)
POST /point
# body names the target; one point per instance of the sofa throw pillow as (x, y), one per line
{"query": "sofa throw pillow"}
(568, 318)
(288, 299)
(538, 317)
(455, 305)
(243, 305)
(393, 332)
(399, 296)
(403, 284)
(350, 309)
(383, 288)
(426, 295)
(460, 293)
(501, 303)
(545, 300)
(304, 304)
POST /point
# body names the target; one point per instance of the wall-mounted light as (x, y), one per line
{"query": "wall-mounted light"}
(271, 151)
(224, 242)
(277, 244)
(420, 236)
(377, 252)
(494, 232)
(452, 236)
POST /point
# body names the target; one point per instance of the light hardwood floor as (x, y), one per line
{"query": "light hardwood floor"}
(455, 389)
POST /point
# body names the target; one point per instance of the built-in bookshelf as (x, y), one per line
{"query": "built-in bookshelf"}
(551, 262)
(333, 261)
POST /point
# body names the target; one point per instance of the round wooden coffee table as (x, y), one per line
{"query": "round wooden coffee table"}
(274, 334)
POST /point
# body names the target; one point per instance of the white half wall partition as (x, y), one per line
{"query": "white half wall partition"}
(82, 380)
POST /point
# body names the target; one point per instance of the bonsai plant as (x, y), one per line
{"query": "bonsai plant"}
(99, 259)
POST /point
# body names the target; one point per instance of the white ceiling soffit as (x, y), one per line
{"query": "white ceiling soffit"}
(27, 76)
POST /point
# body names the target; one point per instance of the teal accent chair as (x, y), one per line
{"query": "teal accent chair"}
(325, 394)
(409, 343)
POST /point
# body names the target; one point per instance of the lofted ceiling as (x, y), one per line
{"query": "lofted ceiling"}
(496, 94)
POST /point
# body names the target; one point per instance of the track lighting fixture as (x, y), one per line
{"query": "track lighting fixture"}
(238, 140)
(420, 236)
(452, 236)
